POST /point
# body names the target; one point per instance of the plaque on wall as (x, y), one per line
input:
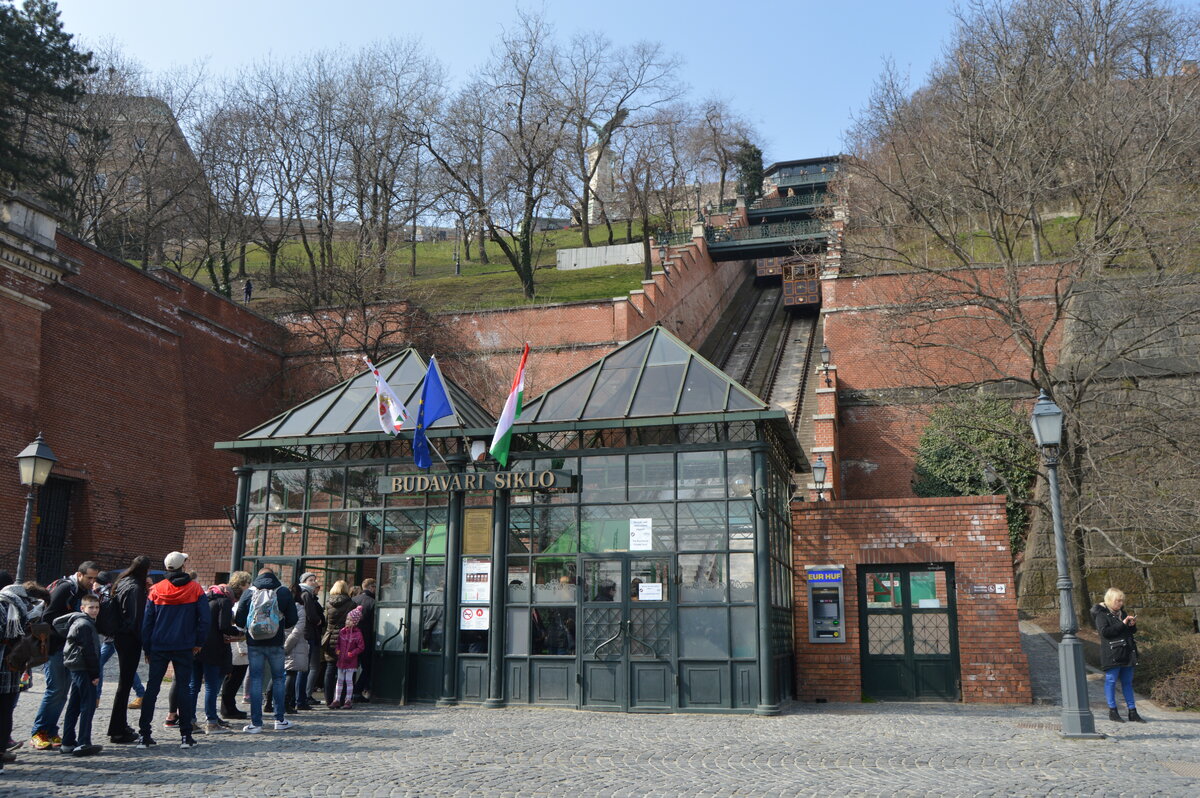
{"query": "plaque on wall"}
(477, 530)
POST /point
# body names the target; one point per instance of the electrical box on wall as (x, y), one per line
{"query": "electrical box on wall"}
(826, 604)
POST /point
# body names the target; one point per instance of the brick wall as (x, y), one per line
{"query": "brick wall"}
(208, 544)
(969, 532)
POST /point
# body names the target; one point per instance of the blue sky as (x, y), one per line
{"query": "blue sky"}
(797, 69)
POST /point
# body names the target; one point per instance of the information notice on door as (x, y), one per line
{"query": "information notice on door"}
(477, 530)
(474, 618)
(641, 536)
(477, 581)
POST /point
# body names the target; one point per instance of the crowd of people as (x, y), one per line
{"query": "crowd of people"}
(232, 638)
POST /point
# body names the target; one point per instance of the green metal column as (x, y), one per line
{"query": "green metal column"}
(768, 694)
(500, 499)
(454, 531)
(241, 517)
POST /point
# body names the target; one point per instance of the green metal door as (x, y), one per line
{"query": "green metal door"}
(393, 613)
(909, 632)
(626, 654)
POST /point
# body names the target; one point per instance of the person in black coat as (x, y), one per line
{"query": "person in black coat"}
(366, 601)
(215, 658)
(129, 591)
(1118, 651)
(337, 606)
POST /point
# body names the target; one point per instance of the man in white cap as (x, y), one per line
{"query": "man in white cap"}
(173, 630)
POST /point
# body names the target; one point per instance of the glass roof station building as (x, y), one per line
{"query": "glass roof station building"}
(634, 555)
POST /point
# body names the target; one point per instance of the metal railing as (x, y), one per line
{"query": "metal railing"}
(800, 229)
(804, 180)
(673, 239)
(725, 207)
(807, 199)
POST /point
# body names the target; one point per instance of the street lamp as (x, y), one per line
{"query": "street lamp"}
(825, 356)
(34, 462)
(662, 260)
(1077, 719)
(818, 471)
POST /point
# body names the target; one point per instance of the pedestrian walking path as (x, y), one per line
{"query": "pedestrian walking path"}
(880, 749)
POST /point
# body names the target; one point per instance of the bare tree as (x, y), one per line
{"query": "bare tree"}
(1080, 110)
(716, 138)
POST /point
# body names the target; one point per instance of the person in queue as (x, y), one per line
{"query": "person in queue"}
(129, 591)
(314, 628)
(337, 606)
(18, 611)
(216, 657)
(366, 601)
(267, 602)
(64, 598)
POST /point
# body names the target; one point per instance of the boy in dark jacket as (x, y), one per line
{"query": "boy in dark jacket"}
(81, 656)
(173, 631)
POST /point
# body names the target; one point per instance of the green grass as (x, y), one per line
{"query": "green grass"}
(479, 285)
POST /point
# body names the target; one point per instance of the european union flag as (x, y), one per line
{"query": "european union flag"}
(435, 404)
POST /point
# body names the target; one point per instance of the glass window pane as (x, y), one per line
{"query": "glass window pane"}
(519, 580)
(651, 477)
(393, 582)
(739, 472)
(565, 403)
(703, 632)
(402, 531)
(741, 577)
(258, 490)
(370, 531)
(516, 632)
(283, 534)
(629, 357)
(666, 351)
(883, 590)
(703, 391)
(658, 390)
(554, 579)
(256, 526)
(745, 626)
(604, 528)
(472, 641)
(741, 401)
(927, 589)
(553, 630)
(554, 530)
(603, 479)
(611, 395)
(601, 580)
(287, 489)
(702, 578)
(701, 475)
(701, 525)
(741, 525)
(650, 580)
(362, 486)
(520, 530)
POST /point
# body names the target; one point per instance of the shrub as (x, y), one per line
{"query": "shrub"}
(1181, 690)
(1169, 670)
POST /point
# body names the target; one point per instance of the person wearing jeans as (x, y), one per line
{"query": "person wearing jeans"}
(1118, 652)
(107, 649)
(64, 599)
(266, 651)
(216, 656)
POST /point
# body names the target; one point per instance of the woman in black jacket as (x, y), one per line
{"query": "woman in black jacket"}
(216, 657)
(129, 592)
(1118, 651)
(337, 607)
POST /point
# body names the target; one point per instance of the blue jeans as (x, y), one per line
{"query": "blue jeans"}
(273, 657)
(182, 662)
(81, 706)
(106, 653)
(1110, 686)
(58, 683)
(210, 677)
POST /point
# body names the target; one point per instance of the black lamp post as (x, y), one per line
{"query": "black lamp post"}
(825, 356)
(1077, 719)
(662, 260)
(35, 462)
(818, 471)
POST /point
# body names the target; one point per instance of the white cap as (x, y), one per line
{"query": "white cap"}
(175, 560)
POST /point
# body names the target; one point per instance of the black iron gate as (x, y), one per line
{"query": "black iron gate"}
(908, 630)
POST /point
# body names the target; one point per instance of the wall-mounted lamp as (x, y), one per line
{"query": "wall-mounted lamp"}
(819, 470)
(825, 356)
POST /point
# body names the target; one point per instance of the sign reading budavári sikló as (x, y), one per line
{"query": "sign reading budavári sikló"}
(480, 480)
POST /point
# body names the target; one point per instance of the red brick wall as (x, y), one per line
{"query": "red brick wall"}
(970, 532)
(132, 376)
(208, 544)
(887, 357)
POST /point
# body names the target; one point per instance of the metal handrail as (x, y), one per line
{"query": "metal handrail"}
(808, 198)
(805, 180)
(596, 650)
(673, 239)
(805, 227)
(724, 207)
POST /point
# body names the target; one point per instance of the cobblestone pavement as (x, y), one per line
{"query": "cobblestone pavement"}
(828, 749)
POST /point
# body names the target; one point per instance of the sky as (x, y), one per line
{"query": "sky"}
(799, 70)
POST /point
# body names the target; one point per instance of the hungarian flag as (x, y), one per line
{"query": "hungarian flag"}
(512, 411)
(391, 411)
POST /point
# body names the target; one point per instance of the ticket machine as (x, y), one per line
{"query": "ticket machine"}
(826, 603)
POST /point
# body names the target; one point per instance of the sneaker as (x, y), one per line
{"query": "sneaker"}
(136, 703)
(124, 739)
(66, 749)
(171, 723)
(215, 728)
(87, 750)
(284, 725)
(252, 729)
(187, 742)
(42, 742)
(145, 741)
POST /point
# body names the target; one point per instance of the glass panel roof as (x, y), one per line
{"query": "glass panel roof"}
(349, 407)
(653, 375)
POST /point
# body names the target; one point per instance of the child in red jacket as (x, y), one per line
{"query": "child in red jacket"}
(350, 644)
